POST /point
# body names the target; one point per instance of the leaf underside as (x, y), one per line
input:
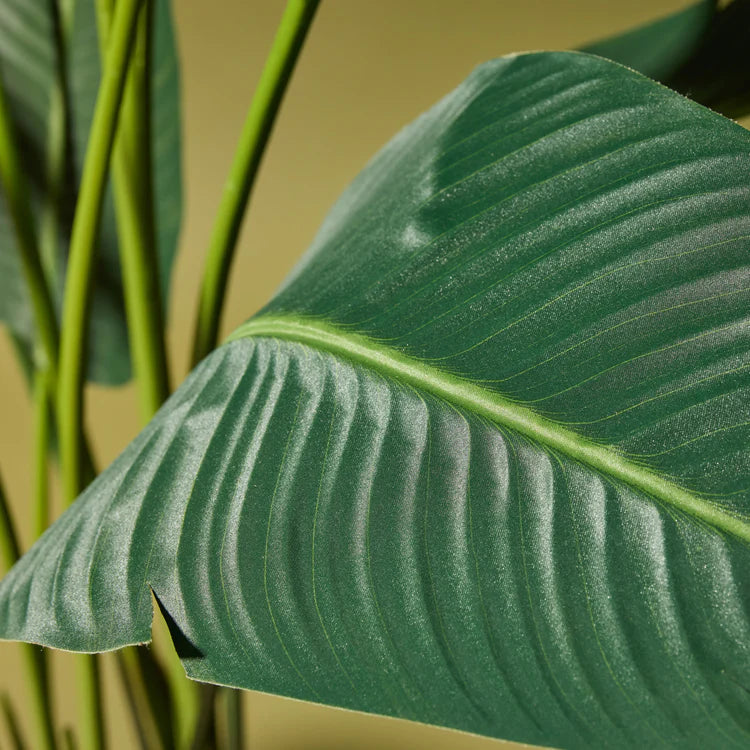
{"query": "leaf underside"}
(560, 235)
(28, 62)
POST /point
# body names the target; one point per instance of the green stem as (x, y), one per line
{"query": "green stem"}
(204, 720)
(132, 172)
(229, 720)
(17, 198)
(77, 298)
(264, 107)
(11, 723)
(69, 739)
(9, 547)
(91, 714)
(34, 658)
(58, 180)
(78, 283)
(42, 416)
(154, 733)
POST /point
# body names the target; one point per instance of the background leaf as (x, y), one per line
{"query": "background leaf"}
(28, 62)
(700, 51)
(660, 48)
(482, 462)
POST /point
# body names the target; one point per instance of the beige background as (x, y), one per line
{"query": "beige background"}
(368, 69)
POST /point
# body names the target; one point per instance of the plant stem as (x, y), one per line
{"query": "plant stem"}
(34, 658)
(205, 718)
(77, 300)
(155, 734)
(185, 693)
(19, 207)
(11, 722)
(264, 107)
(42, 416)
(229, 720)
(79, 279)
(58, 181)
(132, 172)
(91, 713)
(9, 547)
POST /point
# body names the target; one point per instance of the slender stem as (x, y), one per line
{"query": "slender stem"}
(185, 693)
(34, 658)
(9, 547)
(91, 713)
(264, 107)
(58, 177)
(17, 198)
(11, 723)
(204, 719)
(154, 729)
(77, 299)
(229, 720)
(132, 172)
(42, 418)
(79, 278)
(69, 741)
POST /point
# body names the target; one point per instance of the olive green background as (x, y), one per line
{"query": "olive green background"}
(368, 69)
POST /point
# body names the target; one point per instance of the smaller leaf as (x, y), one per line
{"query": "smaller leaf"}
(718, 74)
(700, 51)
(658, 49)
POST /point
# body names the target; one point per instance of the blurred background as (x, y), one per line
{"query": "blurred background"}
(367, 70)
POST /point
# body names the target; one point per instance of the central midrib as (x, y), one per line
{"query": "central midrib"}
(492, 406)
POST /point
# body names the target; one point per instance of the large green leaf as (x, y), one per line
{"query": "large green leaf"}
(28, 64)
(483, 461)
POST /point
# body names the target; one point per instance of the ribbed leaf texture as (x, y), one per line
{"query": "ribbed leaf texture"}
(483, 461)
(28, 64)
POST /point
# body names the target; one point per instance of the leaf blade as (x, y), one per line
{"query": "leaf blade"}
(362, 538)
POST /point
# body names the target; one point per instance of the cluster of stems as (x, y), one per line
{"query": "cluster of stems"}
(119, 149)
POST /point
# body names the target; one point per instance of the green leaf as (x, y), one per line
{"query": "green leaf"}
(700, 51)
(660, 48)
(483, 461)
(28, 61)
(718, 74)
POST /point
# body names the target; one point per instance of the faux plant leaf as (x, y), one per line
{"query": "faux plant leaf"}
(700, 51)
(28, 63)
(660, 48)
(483, 461)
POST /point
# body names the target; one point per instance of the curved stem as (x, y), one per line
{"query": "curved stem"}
(132, 173)
(19, 207)
(264, 107)
(83, 241)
